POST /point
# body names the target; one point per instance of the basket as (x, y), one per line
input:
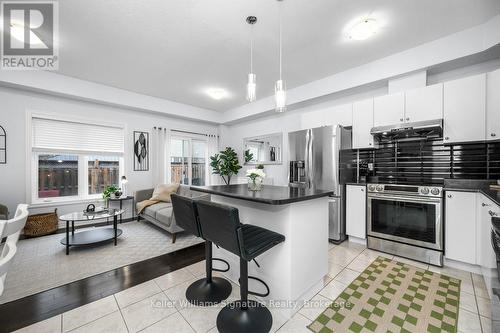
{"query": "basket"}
(41, 224)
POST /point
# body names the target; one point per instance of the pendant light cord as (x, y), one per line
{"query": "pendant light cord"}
(251, 49)
(280, 26)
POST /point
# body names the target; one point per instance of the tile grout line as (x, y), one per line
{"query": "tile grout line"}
(477, 306)
(187, 321)
(121, 314)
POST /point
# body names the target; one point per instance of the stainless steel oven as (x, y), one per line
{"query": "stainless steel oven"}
(406, 220)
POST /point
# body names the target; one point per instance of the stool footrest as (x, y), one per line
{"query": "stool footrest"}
(221, 270)
(256, 293)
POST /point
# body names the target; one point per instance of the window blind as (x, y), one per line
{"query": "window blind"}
(67, 136)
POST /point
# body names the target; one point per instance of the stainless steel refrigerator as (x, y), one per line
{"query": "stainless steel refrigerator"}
(315, 163)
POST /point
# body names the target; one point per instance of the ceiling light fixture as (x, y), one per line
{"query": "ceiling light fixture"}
(251, 85)
(363, 29)
(217, 93)
(279, 87)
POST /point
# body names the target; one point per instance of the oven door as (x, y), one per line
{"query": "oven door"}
(410, 220)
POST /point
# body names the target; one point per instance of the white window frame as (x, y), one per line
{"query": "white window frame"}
(32, 162)
(190, 155)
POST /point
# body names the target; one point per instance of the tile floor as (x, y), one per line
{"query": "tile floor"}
(159, 305)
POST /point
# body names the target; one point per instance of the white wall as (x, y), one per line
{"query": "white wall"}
(14, 104)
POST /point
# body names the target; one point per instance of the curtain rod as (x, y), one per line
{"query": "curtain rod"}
(187, 132)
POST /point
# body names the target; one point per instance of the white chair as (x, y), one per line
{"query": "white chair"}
(12, 228)
(9, 250)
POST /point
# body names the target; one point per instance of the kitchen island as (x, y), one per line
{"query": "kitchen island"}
(293, 270)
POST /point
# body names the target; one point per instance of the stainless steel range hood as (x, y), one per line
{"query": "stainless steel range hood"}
(415, 130)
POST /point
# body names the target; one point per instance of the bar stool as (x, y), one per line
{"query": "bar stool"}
(210, 290)
(221, 224)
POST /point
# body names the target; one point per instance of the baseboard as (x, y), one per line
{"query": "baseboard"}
(357, 240)
(463, 266)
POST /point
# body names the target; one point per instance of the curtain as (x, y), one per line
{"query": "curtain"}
(212, 149)
(160, 161)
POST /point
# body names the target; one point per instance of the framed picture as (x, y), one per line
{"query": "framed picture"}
(3, 146)
(141, 151)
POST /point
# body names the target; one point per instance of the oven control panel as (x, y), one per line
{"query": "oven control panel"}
(428, 191)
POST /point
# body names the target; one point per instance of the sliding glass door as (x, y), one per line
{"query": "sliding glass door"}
(188, 161)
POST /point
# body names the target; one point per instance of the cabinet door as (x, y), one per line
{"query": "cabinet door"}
(424, 103)
(493, 106)
(356, 211)
(460, 226)
(362, 123)
(485, 209)
(465, 109)
(389, 109)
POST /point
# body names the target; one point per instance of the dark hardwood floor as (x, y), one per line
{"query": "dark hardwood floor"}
(41, 306)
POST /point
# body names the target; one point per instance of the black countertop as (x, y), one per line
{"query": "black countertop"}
(272, 195)
(481, 186)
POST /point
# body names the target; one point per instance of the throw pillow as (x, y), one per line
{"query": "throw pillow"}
(162, 192)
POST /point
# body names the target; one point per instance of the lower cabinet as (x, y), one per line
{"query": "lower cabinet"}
(460, 226)
(468, 228)
(356, 211)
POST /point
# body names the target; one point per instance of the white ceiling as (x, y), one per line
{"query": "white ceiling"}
(177, 49)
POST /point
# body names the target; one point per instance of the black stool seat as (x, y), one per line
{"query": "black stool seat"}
(257, 240)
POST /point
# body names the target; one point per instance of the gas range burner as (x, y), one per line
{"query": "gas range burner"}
(403, 189)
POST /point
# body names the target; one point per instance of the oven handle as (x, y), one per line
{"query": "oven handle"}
(403, 198)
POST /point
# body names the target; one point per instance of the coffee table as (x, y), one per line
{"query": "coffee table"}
(93, 236)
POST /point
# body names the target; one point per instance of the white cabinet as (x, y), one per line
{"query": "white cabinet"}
(424, 103)
(362, 123)
(389, 109)
(356, 211)
(484, 251)
(465, 109)
(493, 106)
(460, 226)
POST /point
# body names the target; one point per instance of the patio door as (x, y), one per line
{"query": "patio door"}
(188, 161)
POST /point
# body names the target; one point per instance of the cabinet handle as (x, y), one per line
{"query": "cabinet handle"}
(493, 135)
(362, 190)
(485, 205)
(447, 138)
(369, 143)
(407, 118)
(449, 196)
(492, 213)
(401, 119)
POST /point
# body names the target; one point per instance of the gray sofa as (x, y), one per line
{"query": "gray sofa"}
(161, 214)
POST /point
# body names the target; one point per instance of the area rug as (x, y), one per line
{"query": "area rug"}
(390, 296)
(41, 263)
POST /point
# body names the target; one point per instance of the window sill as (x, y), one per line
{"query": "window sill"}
(43, 204)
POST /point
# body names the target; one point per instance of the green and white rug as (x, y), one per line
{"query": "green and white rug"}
(389, 296)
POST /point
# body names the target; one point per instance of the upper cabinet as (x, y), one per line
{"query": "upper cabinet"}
(424, 103)
(389, 109)
(465, 109)
(362, 123)
(493, 106)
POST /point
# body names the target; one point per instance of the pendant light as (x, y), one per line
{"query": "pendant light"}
(279, 87)
(251, 85)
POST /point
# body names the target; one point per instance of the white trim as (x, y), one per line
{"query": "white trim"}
(65, 202)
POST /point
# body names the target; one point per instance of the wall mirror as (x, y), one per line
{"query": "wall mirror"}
(263, 149)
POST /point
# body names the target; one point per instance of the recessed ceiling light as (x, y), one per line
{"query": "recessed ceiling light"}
(217, 93)
(363, 29)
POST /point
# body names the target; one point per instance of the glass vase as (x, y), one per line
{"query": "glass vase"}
(255, 184)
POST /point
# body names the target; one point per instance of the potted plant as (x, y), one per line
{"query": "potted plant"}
(225, 164)
(108, 191)
(255, 179)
